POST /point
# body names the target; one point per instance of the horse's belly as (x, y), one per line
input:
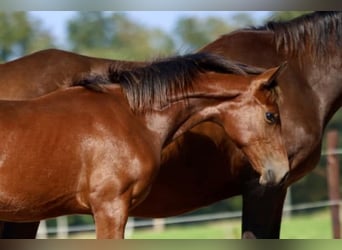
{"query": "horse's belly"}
(26, 207)
(17, 213)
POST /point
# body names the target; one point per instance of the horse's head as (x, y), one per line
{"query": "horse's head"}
(256, 127)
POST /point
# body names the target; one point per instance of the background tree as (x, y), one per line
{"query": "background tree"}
(116, 36)
(242, 20)
(21, 34)
(191, 33)
(285, 15)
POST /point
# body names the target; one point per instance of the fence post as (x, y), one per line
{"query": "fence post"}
(62, 227)
(42, 230)
(288, 203)
(333, 181)
(159, 224)
(129, 228)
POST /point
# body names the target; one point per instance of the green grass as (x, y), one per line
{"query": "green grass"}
(209, 230)
(313, 226)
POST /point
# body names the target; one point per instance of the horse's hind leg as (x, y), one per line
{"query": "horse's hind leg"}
(12, 230)
(2, 226)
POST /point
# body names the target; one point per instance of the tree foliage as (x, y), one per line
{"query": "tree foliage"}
(285, 15)
(115, 35)
(194, 33)
(21, 34)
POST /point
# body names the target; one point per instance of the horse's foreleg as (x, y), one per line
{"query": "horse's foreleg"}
(262, 213)
(110, 218)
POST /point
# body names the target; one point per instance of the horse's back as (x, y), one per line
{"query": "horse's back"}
(45, 71)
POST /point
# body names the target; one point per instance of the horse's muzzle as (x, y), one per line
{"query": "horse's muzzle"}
(272, 177)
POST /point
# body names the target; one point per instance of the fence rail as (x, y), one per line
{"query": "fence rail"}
(186, 219)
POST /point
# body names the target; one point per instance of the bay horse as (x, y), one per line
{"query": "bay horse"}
(78, 151)
(311, 91)
(311, 88)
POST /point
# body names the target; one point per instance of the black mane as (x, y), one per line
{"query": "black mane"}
(321, 32)
(156, 82)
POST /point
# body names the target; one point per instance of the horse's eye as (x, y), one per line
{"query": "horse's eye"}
(271, 118)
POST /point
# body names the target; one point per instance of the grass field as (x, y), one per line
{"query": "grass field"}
(314, 226)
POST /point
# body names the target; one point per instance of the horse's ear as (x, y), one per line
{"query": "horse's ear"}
(267, 80)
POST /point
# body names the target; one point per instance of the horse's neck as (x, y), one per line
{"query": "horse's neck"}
(247, 46)
(183, 114)
(179, 117)
(330, 89)
(325, 80)
(203, 104)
